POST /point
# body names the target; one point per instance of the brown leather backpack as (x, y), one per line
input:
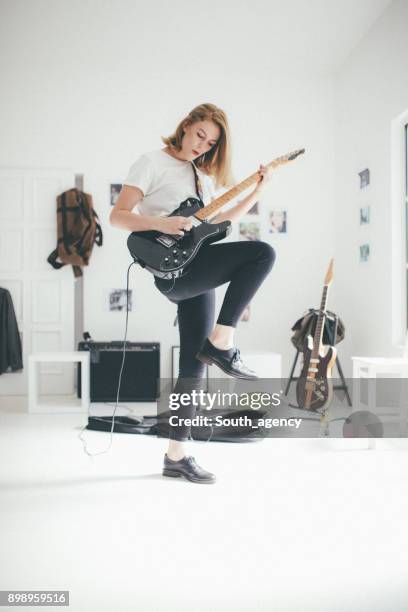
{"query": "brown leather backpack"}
(78, 230)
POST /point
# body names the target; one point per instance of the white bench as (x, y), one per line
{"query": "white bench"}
(34, 359)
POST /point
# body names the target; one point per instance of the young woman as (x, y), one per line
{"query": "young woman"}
(197, 157)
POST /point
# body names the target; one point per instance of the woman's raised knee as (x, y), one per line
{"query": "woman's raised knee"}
(267, 254)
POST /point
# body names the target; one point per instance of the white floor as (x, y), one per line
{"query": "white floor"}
(291, 525)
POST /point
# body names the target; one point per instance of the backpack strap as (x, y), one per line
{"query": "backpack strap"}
(98, 235)
(64, 223)
(52, 259)
(80, 242)
(98, 232)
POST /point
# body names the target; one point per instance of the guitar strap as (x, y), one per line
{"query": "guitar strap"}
(198, 186)
(200, 195)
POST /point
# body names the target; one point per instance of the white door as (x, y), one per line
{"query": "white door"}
(43, 298)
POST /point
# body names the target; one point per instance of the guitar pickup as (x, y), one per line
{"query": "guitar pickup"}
(167, 240)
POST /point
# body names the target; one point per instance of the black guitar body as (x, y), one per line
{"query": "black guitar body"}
(168, 256)
(320, 383)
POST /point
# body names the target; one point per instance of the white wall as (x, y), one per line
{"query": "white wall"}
(97, 89)
(371, 90)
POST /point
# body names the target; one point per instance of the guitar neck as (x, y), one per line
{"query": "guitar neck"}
(318, 335)
(218, 203)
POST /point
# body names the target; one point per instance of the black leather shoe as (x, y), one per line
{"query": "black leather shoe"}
(188, 468)
(228, 361)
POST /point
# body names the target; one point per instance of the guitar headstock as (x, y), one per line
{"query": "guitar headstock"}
(295, 154)
(285, 159)
(329, 274)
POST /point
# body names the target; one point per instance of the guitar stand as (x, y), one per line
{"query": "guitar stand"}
(342, 387)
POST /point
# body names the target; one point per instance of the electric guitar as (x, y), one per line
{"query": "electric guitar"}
(169, 255)
(314, 388)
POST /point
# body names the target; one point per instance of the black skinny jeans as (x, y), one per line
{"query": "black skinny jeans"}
(243, 264)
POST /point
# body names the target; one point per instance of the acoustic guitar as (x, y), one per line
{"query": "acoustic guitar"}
(168, 256)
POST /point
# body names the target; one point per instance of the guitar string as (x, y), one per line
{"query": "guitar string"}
(219, 202)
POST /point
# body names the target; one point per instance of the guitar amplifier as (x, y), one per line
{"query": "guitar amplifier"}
(141, 371)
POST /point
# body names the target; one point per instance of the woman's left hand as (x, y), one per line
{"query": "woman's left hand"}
(265, 175)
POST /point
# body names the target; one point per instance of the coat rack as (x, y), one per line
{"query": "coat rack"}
(79, 288)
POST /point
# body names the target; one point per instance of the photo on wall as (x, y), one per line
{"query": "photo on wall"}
(117, 300)
(365, 215)
(115, 189)
(278, 222)
(364, 178)
(249, 230)
(364, 253)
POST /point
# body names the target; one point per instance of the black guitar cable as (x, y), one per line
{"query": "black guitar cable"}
(80, 435)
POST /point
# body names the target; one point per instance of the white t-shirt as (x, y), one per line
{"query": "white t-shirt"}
(166, 182)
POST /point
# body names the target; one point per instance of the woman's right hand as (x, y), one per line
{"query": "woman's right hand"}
(176, 225)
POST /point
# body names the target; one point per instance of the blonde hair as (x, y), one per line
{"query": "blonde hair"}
(217, 161)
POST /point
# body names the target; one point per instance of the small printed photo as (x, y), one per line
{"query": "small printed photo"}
(117, 300)
(364, 252)
(254, 210)
(364, 215)
(364, 178)
(278, 222)
(249, 230)
(246, 315)
(114, 192)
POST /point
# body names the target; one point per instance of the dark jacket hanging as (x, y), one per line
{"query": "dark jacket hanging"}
(11, 358)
